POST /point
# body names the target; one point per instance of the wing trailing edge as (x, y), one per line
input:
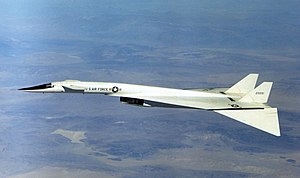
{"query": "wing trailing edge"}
(262, 119)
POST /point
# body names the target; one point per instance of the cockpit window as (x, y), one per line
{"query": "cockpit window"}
(49, 85)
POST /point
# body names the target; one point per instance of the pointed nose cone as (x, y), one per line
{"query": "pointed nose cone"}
(38, 88)
(23, 89)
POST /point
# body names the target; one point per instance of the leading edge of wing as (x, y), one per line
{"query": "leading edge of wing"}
(205, 103)
(183, 101)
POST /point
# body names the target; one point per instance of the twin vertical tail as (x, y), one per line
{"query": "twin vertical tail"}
(259, 95)
(245, 85)
(265, 119)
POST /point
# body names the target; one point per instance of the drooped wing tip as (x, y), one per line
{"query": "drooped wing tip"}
(263, 119)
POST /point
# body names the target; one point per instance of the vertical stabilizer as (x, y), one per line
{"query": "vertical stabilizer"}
(259, 95)
(245, 85)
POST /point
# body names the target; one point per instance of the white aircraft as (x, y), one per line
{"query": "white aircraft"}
(242, 102)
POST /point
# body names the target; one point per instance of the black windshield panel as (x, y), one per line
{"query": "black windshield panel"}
(38, 87)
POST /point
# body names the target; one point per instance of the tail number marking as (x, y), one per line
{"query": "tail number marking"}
(259, 93)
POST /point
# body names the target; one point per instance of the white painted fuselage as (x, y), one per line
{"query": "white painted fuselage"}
(237, 102)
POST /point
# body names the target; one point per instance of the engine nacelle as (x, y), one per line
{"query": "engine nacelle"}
(134, 101)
